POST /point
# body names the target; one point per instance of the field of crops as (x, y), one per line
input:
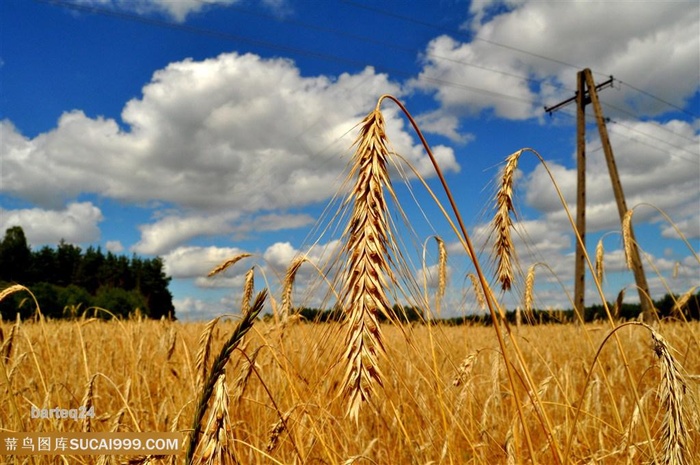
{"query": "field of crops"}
(370, 389)
(446, 397)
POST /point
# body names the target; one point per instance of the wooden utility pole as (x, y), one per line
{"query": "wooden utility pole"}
(580, 266)
(587, 92)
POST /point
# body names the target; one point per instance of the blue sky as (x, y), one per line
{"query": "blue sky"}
(196, 130)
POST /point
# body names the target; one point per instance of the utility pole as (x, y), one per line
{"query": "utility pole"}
(587, 92)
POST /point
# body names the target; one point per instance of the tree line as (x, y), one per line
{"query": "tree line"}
(68, 281)
(666, 309)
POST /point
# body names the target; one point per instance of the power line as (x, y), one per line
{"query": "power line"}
(335, 58)
(659, 99)
(272, 45)
(508, 47)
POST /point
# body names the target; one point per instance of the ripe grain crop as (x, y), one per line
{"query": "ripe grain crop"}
(370, 387)
(136, 387)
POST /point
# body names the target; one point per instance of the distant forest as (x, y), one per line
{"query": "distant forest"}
(666, 309)
(68, 281)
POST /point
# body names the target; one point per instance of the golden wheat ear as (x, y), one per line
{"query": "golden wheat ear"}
(503, 249)
(287, 286)
(675, 433)
(217, 369)
(365, 247)
(227, 264)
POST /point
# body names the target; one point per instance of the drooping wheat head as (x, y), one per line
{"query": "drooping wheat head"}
(683, 301)
(227, 264)
(215, 446)
(672, 391)
(276, 431)
(465, 369)
(218, 368)
(478, 291)
(366, 268)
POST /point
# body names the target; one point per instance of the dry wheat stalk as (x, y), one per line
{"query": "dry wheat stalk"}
(87, 403)
(363, 456)
(202, 359)
(683, 300)
(672, 390)
(11, 290)
(529, 285)
(478, 291)
(627, 238)
(367, 264)
(218, 368)
(227, 264)
(465, 369)
(215, 446)
(617, 309)
(599, 265)
(246, 370)
(442, 270)
(248, 286)
(276, 431)
(503, 249)
(6, 348)
(287, 286)
(172, 342)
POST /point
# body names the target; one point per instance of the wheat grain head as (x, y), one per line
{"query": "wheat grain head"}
(503, 249)
(672, 390)
(227, 264)
(365, 246)
(288, 284)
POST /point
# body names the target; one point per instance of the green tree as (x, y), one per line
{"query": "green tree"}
(88, 273)
(44, 266)
(68, 258)
(154, 286)
(15, 256)
(120, 301)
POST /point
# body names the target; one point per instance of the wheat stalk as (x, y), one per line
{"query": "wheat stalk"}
(202, 359)
(248, 286)
(365, 247)
(672, 390)
(599, 265)
(478, 291)
(246, 369)
(503, 248)
(465, 369)
(227, 264)
(617, 309)
(627, 238)
(217, 370)
(276, 431)
(529, 285)
(88, 404)
(683, 300)
(215, 447)
(442, 272)
(288, 284)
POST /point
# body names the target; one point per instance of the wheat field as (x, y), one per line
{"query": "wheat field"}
(445, 397)
(372, 388)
